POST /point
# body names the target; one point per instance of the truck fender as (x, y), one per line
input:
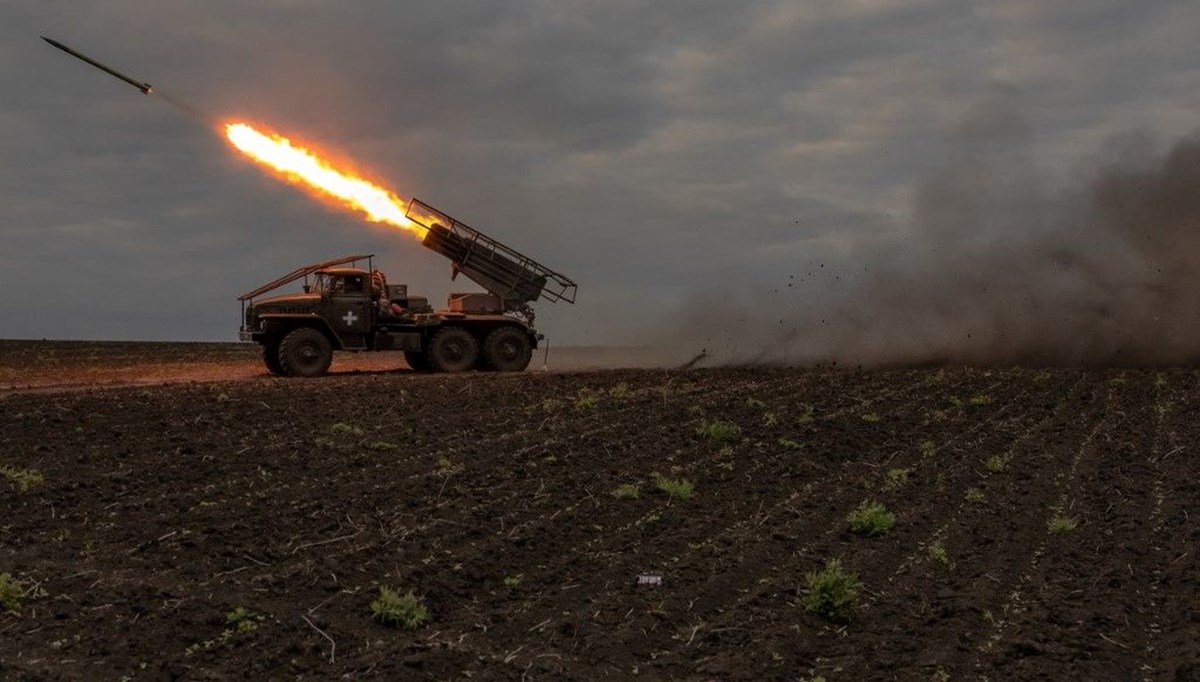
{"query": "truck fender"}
(278, 324)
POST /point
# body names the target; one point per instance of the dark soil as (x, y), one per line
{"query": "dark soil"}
(56, 365)
(164, 509)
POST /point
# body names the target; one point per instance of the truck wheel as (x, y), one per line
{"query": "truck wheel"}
(507, 349)
(452, 349)
(305, 352)
(417, 361)
(271, 357)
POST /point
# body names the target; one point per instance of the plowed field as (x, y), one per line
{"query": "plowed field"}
(163, 511)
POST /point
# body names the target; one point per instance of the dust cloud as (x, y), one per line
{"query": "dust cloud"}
(997, 267)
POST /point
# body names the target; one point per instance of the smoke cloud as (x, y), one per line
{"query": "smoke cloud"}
(997, 267)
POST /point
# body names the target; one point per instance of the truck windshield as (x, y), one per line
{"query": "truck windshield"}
(321, 283)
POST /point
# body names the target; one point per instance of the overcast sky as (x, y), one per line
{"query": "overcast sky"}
(657, 152)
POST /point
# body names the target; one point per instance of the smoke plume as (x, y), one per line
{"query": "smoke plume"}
(995, 267)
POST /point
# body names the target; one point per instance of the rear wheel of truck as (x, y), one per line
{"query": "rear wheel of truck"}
(452, 349)
(270, 350)
(305, 352)
(507, 349)
(417, 361)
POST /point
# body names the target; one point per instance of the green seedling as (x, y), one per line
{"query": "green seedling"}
(871, 519)
(1060, 524)
(831, 592)
(12, 592)
(807, 415)
(24, 479)
(896, 478)
(938, 553)
(996, 463)
(676, 488)
(627, 491)
(241, 621)
(344, 429)
(406, 611)
(718, 430)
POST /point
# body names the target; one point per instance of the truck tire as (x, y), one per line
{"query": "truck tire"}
(452, 349)
(305, 352)
(417, 361)
(507, 349)
(271, 357)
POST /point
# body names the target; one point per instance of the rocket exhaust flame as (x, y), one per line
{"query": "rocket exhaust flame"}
(305, 168)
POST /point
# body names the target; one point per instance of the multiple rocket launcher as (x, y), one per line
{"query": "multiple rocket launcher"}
(515, 278)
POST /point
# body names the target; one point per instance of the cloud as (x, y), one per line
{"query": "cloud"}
(651, 150)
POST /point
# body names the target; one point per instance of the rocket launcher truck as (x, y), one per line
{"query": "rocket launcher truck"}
(344, 307)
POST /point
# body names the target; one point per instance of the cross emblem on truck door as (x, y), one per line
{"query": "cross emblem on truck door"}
(350, 318)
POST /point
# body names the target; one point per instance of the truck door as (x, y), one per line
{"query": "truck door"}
(350, 310)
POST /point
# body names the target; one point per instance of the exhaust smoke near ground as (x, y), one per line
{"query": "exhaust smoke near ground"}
(997, 266)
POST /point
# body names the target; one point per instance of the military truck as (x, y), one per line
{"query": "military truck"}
(343, 307)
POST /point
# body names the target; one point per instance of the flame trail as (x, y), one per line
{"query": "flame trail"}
(305, 168)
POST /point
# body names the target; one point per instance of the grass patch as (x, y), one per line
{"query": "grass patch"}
(872, 418)
(512, 581)
(871, 519)
(627, 491)
(675, 488)
(808, 415)
(981, 399)
(586, 401)
(344, 429)
(996, 463)
(241, 621)
(24, 479)
(382, 445)
(895, 478)
(1060, 524)
(393, 609)
(832, 592)
(620, 391)
(938, 553)
(719, 430)
(928, 448)
(974, 496)
(446, 467)
(789, 444)
(770, 419)
(11, 593)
